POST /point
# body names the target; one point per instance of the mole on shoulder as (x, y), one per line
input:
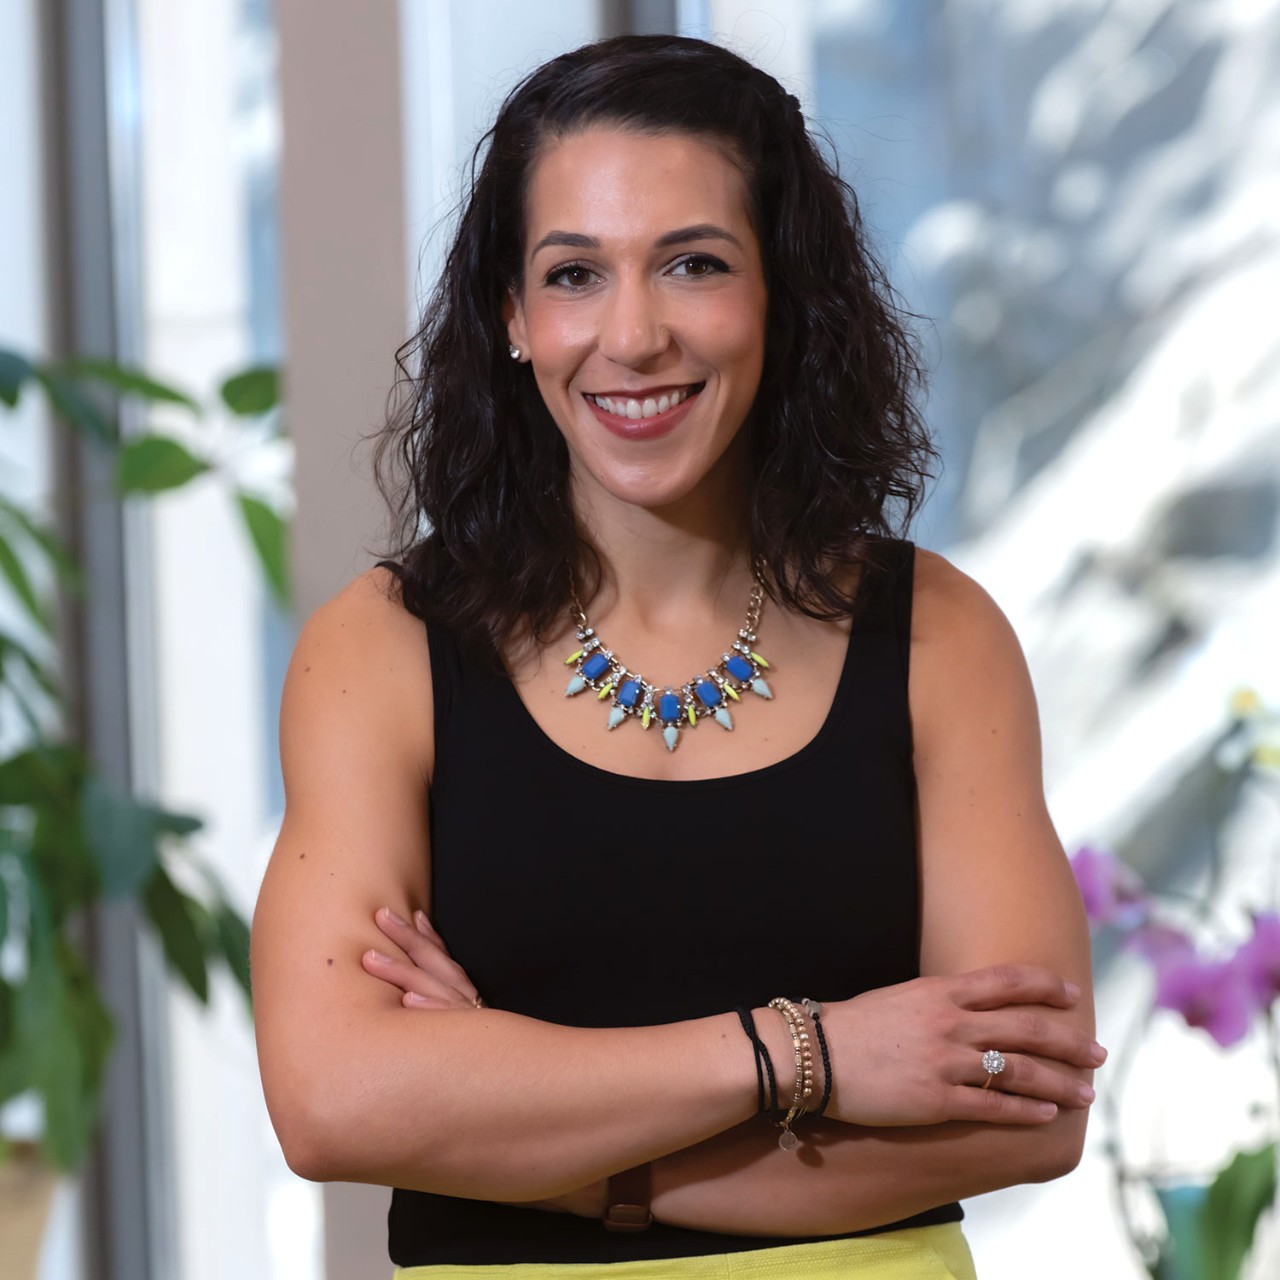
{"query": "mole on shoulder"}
(301, 856)
(329, 960)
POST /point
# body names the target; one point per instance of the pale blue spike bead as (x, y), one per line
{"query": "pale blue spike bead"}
(616, 717)
(576, 685)
(761, 686)
(723, 718)
(671, 735)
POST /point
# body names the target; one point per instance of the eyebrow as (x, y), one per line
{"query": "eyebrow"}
(699, 231)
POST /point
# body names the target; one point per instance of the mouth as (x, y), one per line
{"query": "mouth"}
(642, 408)
(644, 417)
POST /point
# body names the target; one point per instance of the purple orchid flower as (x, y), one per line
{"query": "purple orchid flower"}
(1113, 893)
(1162, 944)
(1259, 957)
(1217, 995)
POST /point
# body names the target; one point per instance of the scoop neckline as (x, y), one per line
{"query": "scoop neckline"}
(549, 746)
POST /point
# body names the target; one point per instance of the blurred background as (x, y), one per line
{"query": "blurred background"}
(1080, 200)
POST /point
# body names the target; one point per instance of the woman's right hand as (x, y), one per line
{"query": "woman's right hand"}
(911, 1054)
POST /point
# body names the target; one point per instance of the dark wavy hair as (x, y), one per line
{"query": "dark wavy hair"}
(482, 526)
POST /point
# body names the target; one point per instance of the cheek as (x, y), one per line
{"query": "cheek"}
(557, 333)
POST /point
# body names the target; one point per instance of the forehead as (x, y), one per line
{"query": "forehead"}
(616, 185)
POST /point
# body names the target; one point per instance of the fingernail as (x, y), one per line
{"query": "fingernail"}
(378, 957)
(1086, 1094)
(1097, 1053)
(395, 919)
(412, 997)
(1047, 1109)
(1073, 992)
(424, 925)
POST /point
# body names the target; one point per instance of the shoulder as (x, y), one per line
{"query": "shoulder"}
(966, 661)
(362, 658)
(948, 604)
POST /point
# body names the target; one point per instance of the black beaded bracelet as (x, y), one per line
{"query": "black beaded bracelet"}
(815, 1012)
(762, 1057)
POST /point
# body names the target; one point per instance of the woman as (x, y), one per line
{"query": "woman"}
(664, 399)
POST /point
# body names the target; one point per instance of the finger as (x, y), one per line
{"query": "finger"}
(426, 928)
(1032, 1030)
(1006, 984)
(411, 979)
(1027, 1078)
(423, 950)
(991, 1106)
(413, 1000)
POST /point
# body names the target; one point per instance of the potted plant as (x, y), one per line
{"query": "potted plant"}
(70, 837)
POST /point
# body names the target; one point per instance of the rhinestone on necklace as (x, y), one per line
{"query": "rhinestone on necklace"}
(677, 708)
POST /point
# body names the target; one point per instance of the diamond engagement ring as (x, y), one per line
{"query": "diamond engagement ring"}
(993, 1065)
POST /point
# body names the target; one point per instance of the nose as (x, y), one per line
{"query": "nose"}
(633, 326)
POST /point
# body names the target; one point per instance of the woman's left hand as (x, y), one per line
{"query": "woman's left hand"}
(430, 978)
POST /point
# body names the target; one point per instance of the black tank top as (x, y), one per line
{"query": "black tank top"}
(593, 899)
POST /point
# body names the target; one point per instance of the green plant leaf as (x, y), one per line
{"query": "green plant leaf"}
(252, 392)
(120, 834)
(67, 1037)
(176, 919)
(15, 574)
(150, 464)
(270, 536)
(1236, 1200)
(14, 371)
(49, 773)
(69, 572)
(15, 1057)
(176, 824)
(130, 381)
(233, 942)
(10, 644)
(62, 861)
(70, 403)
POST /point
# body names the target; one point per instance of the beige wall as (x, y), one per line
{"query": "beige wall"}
(342, 262)
(343, 278)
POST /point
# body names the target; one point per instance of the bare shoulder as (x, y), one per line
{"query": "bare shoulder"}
(362, 657)
(964, 654)
(949, 605)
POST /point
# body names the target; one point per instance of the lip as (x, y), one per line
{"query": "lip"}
(644, 428)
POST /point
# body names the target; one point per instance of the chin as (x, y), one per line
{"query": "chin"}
(651, 487)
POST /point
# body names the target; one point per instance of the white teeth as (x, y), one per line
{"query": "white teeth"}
(647, 408)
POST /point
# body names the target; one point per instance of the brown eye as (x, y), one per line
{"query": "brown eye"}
(573, 275)
(699, 265)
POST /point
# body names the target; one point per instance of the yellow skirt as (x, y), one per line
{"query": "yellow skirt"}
(917, 1253)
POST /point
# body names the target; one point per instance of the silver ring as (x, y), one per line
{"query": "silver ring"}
(993, 1064)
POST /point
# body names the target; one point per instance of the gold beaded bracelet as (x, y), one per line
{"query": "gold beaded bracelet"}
(804, 1068)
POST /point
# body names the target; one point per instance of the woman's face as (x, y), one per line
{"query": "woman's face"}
(643, 308)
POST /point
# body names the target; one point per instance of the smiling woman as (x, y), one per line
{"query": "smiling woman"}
(643, 310)
(773, 998)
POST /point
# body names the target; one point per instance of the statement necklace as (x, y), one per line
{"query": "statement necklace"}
(630, 695)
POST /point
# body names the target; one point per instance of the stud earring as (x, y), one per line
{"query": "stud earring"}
(515, 352)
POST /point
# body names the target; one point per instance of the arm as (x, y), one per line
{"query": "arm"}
(996, 890)
(480, 1103)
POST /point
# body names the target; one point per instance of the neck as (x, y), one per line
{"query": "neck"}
(673, 566)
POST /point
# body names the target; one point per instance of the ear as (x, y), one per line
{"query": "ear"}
(513, 315)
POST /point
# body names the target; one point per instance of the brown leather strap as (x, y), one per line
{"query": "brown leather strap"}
(629, 1195)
